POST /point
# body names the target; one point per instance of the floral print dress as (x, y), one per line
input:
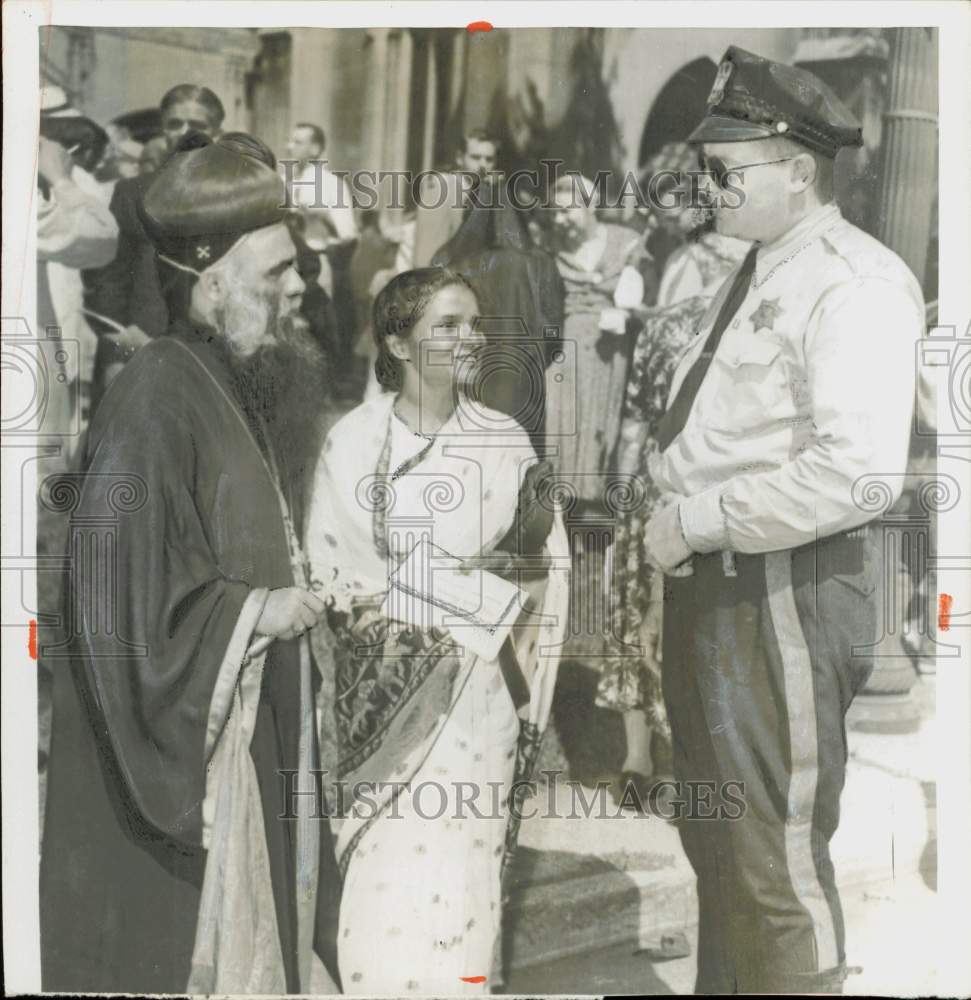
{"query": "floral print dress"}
(691, 278)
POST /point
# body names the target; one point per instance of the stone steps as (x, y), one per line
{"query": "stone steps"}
(581, 884)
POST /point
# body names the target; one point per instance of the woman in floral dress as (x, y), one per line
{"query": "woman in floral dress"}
(632, 684)
(585, 383)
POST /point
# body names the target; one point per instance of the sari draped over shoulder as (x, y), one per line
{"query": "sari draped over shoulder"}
(410, 705)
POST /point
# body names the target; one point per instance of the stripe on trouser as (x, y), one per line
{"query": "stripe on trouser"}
(801, 711)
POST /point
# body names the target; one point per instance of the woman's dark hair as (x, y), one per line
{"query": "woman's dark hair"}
(399, 306)
(190, 92)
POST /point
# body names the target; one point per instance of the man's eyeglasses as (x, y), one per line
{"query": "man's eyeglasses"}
(719, 170)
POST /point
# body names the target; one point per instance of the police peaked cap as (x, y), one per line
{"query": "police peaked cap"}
(755, 98)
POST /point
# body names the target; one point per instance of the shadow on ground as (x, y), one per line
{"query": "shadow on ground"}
(586, 743)
(527, 919)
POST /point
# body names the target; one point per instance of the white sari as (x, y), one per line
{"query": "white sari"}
(421, 903)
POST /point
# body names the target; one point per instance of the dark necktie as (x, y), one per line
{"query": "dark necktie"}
(676, 415)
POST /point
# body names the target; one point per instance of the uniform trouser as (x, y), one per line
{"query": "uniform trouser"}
(759, 669)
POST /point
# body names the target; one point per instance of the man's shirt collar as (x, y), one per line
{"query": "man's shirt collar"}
(805, 231)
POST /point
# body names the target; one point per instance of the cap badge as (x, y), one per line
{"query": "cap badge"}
(782, 127)
(203, 252)
(721, 81)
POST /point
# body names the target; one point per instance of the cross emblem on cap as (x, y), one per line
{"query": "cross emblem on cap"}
(203, 252)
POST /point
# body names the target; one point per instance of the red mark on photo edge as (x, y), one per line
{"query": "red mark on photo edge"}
(32, 638)
(944, 602)
(473, 979)
(471, 27)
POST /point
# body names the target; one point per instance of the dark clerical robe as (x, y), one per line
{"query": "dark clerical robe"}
(176, 476)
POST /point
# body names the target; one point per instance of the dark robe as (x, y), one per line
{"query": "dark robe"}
(127, 290)
(122, 861)
(521, 296)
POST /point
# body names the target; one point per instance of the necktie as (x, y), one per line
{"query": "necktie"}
(676, 415)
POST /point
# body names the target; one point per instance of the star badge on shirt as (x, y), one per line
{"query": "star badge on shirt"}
(767, 313)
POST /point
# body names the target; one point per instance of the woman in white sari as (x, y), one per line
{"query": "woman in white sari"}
(434, 725)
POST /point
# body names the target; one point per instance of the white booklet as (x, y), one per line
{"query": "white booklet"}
(429, 589)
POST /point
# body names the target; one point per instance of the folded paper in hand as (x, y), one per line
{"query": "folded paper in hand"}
(431, 590)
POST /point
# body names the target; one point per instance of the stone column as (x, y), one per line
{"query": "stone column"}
(395, 120)
(431, 103)
(910, 146)
(376, 96)
(456, 90)
(906, 200)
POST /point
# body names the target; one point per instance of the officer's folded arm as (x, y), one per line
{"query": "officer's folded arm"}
(860, 362)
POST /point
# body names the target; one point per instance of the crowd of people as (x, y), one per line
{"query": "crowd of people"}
(267, 362)
(624, 298)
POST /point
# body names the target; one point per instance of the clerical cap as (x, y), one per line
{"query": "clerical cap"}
(755, 98)
(204, 199)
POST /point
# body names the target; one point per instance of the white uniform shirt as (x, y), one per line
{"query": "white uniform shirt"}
(811, 387)
(334, 203)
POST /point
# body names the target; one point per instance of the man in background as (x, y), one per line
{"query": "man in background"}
(479, 153)
(321, 197)
(445, 196)
(124, 298)
(322, 204)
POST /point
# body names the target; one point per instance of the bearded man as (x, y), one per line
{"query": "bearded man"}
(178, 854)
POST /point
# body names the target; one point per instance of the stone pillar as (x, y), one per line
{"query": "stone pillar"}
(313, 80)
(377, 96)
(238, 116)
(910, 146)
(456, 90)
(903, 224)
(431, 95)
(380, 145)
(400, 119)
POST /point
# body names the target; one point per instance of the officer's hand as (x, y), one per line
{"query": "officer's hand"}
(289, 612)
(666, 548)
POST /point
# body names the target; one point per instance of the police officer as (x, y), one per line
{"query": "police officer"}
(799, 383)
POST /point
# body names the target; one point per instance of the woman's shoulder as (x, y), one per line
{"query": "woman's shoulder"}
(367, 420)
